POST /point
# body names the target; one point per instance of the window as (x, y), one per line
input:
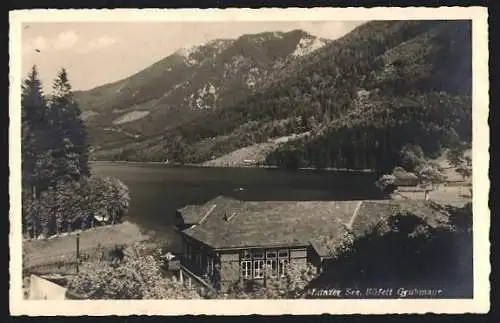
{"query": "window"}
(246, 255)
(271, 254)
(246, 269)
(271, 263)
(282, 267)
(271, 267)
(210, 265)
(282, 262)
(258, 269)
(283, 254)
(258, 254)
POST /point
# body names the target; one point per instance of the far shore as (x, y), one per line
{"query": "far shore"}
(233, 166)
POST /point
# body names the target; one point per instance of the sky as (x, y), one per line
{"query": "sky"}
(96, 53)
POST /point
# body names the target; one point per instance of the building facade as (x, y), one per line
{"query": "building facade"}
(225, 267)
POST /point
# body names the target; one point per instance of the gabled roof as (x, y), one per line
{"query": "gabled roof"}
(268, 223)
(231, 223)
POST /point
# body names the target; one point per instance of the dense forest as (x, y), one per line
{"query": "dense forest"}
(360, 99)
(397, 106)
(58, 192)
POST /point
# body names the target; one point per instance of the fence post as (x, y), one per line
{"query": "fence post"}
(77, 252)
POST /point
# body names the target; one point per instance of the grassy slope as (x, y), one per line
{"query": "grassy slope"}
(39, 252)
(251, 155)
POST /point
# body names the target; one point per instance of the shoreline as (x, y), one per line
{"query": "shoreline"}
(328, 169)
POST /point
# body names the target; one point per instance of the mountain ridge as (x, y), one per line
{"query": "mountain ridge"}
(176, 88)
(374, 77)
(327, 85)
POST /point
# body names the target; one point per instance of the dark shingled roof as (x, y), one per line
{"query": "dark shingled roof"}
(321, 224)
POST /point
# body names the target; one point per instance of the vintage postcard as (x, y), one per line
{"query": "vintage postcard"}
(249, 161)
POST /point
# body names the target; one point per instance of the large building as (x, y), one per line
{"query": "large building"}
(228, 241)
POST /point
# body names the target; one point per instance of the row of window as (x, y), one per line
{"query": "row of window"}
(265, 255)
(254, 264)
(259, 263)
(259, 268)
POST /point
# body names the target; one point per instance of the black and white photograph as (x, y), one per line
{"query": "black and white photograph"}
(284, 156)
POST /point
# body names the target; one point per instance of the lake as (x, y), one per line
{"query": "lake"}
(157, 190)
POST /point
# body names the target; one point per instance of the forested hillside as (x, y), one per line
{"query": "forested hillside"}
(355, 102)
(418, 92)
(362, 97)
(135, 112)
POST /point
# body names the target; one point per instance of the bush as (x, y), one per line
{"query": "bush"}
(386, 183)
(292, 286)
(137, 276)
(430, 175)
(408, 249)
(411, 156)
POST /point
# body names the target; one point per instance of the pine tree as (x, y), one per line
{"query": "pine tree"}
(37, 165)
(72, 149)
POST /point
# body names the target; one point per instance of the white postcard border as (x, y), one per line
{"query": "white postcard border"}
(481, 225)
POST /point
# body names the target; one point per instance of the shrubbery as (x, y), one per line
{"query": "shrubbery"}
(136, 276)
(386, 183)
(412, 156)
(407, 249)
(293, 285)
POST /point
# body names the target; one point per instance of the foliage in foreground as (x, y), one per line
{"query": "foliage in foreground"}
(293, 285)
(136, 276)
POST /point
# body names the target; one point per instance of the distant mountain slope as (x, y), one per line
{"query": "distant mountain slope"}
(187, 84)
(417, 92)
(353, 103)
(373, 78)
